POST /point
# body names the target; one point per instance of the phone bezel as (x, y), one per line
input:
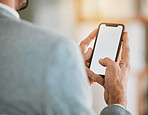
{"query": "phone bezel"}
(119, 47)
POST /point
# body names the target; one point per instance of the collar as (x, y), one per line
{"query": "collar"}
(10, 10)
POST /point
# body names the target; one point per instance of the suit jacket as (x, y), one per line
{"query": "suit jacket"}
(42, 73)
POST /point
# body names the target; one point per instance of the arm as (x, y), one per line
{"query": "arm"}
(67, 87)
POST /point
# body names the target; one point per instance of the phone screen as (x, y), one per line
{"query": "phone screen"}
(106, 45)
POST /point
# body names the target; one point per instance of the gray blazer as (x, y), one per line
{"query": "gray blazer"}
(42, 73)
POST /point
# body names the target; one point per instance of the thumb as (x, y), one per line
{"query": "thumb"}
(106, 62)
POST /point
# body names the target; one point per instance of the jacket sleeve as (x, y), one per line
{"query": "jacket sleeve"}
(114, 110)
(67, 90)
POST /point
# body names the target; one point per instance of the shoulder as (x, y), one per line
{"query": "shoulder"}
(27, 29)
(60, 45)
(40, 40)
(35, 30)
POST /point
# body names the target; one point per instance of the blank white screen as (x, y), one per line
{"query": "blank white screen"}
(106, 46)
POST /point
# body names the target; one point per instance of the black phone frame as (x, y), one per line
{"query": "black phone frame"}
(120, 42)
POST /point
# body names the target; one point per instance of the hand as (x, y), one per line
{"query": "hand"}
(87, 58)
(116, 76)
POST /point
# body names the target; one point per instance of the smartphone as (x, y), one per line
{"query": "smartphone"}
(107, 44)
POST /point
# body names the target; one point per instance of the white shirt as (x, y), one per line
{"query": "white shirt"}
(9, 9)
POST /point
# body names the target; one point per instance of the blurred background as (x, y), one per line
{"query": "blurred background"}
(75, 19)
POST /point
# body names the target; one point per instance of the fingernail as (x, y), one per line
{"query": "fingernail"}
(126, 33)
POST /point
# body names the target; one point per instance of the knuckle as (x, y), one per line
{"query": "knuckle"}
(115, 65)
(81, 43)
(98, 80)
(128, 67)
(91, 36)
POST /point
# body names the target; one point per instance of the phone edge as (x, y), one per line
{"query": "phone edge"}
(119, 47)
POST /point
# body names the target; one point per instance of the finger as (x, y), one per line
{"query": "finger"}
(95, 77)
(89, 61)
(106, 62)
(85, 43)
(87, 64)
(125, 56)
(91, 81)
(88, 54)
(119, 55)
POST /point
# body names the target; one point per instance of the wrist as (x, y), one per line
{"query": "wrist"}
(122, 100)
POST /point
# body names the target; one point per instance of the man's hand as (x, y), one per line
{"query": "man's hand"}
(87, 58)
(116, 76)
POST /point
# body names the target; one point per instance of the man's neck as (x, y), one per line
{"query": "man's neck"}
(10, 3)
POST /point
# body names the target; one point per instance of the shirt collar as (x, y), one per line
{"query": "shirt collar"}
(9, 9)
